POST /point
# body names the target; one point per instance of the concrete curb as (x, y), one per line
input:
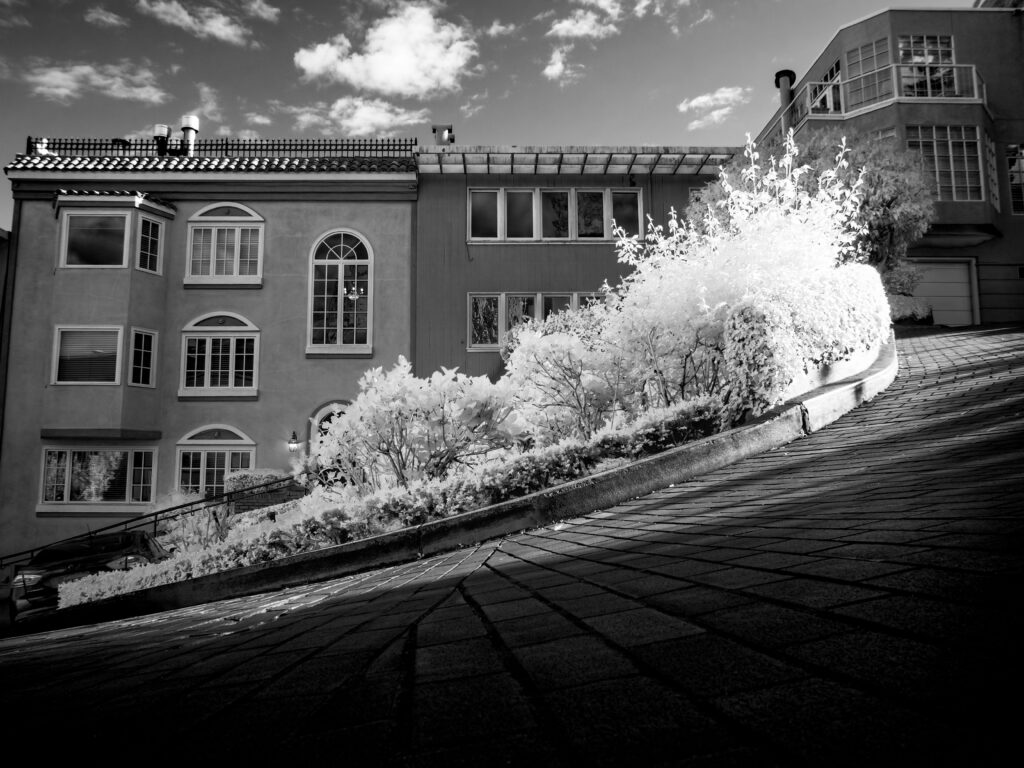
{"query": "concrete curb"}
(783, 424)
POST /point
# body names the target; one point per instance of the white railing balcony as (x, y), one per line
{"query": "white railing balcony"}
(839, 98)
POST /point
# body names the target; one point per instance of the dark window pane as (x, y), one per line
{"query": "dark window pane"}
(95, 241)
(519, 309)
(590, 214)
(99, 476)
(87, 356)
(626, 211)
(484, 214)
(519, 214)
(484, 320)
(554, 214)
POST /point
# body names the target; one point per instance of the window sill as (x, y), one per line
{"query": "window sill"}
(334, 351)
(113, 509)
(483, 349)
(559, 241)
(255, 284)
(232, 395)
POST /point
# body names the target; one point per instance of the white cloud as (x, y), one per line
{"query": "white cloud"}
(209, 105)
(658, 7)
(612, 7)
(582, 24)
(204, 22)
(559, 69)
(65, 83)
(708, 16)
(255, 118)
(410, 53)
(101, 17)
(474, 105)
(715, 106)
(355, 116)
(497, 29)
(259, 9)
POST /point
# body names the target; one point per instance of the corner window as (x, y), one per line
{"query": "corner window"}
(869, 74)
(1015, 168)
(143, 358)
(219, 357)
(225, 245)
(98, 475)
(206, 454)
(87, 355)
(952, 159)
(533, 215)
(492, 315)
(341, 295)
(95, 238)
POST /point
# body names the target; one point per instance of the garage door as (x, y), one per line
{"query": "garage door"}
(947, 285)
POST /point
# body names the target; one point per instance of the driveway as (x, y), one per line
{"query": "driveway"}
(852, 598)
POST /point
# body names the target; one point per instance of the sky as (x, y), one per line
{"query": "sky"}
(521, 72)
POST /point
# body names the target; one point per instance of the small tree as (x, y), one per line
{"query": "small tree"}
(896, 201)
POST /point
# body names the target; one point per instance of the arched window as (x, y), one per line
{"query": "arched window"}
(341, 295)
(324, 415)
(225, 245)
(220, 355)
(207, 453)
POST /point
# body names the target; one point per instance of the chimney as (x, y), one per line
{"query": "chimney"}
(443, 134)
(784, 80)
(189, 129)
(161, 135)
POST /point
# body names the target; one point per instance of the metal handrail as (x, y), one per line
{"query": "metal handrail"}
(159, 516)
(227, 147)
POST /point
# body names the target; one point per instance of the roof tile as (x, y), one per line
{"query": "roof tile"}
(152, 164)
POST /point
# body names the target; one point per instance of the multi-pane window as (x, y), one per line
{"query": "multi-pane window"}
(220, 357)
(926, 67)
(97, 475)
(143, 358)
(492, 315)
(952, 159)
(207, 454)
(149, 245)
(95, 238)
(225, 245)
(341, 295)
(869, 77)
(87, 355)
(552, 214)
(826, 95)
(1015, 167)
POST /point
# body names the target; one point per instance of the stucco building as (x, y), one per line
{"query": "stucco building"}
(949, 85)
(175, 308)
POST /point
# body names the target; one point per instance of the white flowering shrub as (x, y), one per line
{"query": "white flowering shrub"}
(241, 479)
(402, 428)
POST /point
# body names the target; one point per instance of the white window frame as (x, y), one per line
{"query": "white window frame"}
(251, 220)
(1014, 155)
(340, 349)
(65, 219)
(193, 330)
(209, 445)
(55, 359)
(933, 170)
(502, 297)
(91, 506)
(130, 361)
(538, 221)
(159, 245)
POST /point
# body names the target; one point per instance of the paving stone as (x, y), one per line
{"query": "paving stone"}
(571, 661)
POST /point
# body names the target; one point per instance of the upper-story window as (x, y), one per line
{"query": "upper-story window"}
(552, 214)
(87, 354)
(225, 245)
(927, 71)
(219, 357)
(109, 230)
(952, 159)
(868, 73)
(341, 295)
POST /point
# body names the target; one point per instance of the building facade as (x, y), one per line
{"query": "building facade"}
(948, 85)
(170, 317)
(178, 309)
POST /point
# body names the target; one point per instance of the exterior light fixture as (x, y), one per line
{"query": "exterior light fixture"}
(293, 442)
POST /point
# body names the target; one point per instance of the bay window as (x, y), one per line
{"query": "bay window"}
(98, 475)
(87, 355)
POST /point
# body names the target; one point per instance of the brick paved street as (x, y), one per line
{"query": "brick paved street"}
(852, 598)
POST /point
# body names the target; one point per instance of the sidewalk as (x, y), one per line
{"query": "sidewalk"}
(852, 597)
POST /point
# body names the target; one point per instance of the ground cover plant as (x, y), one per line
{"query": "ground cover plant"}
(708, 330)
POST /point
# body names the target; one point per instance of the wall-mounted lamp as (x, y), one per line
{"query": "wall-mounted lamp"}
(293, 442)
